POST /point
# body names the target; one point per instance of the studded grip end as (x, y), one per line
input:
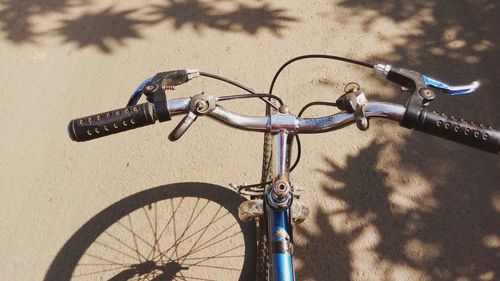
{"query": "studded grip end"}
(111, 122)
(458, 130)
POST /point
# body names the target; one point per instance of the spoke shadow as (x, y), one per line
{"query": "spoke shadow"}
(162, 246)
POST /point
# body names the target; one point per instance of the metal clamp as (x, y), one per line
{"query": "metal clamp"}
(354, 101)
(199, 105)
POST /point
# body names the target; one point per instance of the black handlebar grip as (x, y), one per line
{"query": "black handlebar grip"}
(111, 122)
(459, 130)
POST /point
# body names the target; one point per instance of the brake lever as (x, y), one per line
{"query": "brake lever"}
(411, 80)
(451, 90)
(163, 79)
(420, 87)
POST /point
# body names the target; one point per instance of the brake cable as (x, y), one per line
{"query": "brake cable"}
(245, 96)
(270, 96)
(270, 104)
(318, 56)
(234, 83)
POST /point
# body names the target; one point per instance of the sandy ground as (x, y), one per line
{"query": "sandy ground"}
(387, 204)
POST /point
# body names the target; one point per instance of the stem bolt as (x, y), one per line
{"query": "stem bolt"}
(283, 109)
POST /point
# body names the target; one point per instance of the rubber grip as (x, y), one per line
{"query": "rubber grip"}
(458, 130)
(111, 122)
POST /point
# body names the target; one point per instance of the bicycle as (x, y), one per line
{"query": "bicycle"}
(273, 203)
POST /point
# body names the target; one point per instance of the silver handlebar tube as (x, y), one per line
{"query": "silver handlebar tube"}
(290, 122)
(239, 121)
(178, 106)
(339, 120)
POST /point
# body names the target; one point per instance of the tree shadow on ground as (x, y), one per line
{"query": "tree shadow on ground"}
(17, 17)
(165, 233)
(384, 230)
(104, 29)
(454, 41)
(394, 229)
(242, 18)
(109, 28)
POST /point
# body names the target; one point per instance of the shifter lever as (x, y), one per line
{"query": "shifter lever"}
(182, 127)
(201, 104)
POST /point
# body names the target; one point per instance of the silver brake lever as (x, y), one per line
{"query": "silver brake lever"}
(451, 90)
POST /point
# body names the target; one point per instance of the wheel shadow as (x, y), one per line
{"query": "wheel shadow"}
(111, 259)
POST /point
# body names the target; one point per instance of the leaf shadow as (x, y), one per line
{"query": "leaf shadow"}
(104, 30)
(17, 17)
(205, 15)
(109, 29)
(447, 228)
(385, 229)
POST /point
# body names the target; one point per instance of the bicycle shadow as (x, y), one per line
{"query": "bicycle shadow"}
(111, 257)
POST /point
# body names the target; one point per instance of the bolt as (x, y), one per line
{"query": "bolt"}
(201, 106)
(281, 188)
(427, 94)
(351, 87)
(283, 109)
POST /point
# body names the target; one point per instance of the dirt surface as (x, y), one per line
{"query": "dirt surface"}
(387, 204)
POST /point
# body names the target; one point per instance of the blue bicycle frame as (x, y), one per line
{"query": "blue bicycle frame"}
(278, 211)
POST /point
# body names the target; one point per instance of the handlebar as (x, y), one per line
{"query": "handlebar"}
(120, 120)
(112, 122)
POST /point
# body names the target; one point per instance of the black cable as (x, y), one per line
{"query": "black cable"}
(234, 83)
(316, 56)
(254, 185)
(224, 98)
(254, 94)
(299, 145)
(270, 104)
(315, 103)
(299, 153)
(217, 77)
